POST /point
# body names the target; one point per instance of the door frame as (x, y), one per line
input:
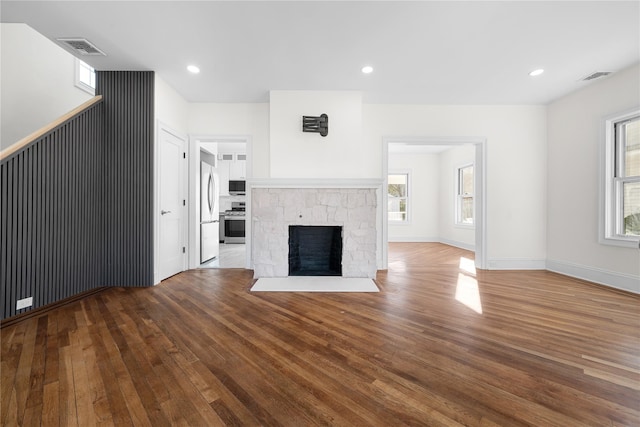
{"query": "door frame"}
(480, 178)
(163, 127)
(193, 154)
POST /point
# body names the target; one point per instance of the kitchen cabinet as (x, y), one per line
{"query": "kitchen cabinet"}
(223, 171)
(231, 166)
(238, 167)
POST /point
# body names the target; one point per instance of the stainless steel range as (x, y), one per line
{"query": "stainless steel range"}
(234, 223)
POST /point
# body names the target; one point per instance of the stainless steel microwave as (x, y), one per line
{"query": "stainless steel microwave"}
(237, 187)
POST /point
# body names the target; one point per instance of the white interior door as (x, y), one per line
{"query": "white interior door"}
(172, 207)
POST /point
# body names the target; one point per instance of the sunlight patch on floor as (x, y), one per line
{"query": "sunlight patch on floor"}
(468, 293)
(468, 265)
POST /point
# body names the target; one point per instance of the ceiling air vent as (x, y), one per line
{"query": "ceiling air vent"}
(82, 46)
(595, 75)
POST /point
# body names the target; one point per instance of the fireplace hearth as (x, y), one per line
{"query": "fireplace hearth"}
(315, 250)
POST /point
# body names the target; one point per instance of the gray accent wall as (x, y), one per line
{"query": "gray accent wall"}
(52, 227)
(128, 164)
(77, 204)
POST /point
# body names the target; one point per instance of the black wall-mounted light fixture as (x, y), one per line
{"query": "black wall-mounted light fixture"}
(316, 124)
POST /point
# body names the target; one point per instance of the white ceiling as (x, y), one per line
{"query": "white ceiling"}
(425, 52)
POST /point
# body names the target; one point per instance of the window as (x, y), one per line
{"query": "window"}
(85, 77)
(464, 197)
(622, 179)
(398, 197)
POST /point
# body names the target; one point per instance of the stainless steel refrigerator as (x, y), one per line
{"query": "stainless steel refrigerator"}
(209, 207)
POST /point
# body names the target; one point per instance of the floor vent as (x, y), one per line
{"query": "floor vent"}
(595, 75)
(82, 46)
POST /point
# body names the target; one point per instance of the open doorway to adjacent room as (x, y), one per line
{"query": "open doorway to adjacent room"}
(436, 192)
(220, 166)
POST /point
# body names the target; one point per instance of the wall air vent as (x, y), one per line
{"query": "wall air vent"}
(82, 46)
(596, 75)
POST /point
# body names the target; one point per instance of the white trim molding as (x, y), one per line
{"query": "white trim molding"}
(625, 282)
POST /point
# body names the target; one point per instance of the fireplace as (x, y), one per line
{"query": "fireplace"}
(315, 250)
(348, 207)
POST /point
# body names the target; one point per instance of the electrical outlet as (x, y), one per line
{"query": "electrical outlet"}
(24, 303)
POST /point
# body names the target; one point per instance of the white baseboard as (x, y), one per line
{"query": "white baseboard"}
(626, 282)
(516, 264)
(413, 239)
(460, 245)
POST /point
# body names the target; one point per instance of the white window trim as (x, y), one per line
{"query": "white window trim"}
(407, 172)
(80, 84)
(456, 213)
(608, 234)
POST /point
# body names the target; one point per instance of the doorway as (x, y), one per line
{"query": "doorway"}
(233, 166)
(435, 144)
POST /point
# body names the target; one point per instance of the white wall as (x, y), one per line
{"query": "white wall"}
(516, 167)
(171, 108)
(516, 151)
(37, 82)
(424, 202)
(171, 112)
(575, 136)
(449, 161)
(297, 154)
(235, 120)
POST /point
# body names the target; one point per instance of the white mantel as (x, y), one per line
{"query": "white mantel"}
(278, 203)
(314, 183)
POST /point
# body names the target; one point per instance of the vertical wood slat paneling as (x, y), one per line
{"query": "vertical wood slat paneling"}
(51, 233)
(128, 164)
(77, 204)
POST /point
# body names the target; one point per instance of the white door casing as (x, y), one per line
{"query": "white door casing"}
(171, 196)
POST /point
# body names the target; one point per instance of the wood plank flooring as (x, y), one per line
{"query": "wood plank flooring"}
(440, 345)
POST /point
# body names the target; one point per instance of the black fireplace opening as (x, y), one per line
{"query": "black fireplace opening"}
(315, 250)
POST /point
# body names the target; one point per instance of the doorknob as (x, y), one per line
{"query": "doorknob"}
(164, 212)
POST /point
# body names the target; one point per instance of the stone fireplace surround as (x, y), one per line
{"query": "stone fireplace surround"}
(277, 204)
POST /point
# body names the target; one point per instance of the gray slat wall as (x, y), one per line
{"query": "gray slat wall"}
(77, 204)
(128, 197)
(52, 217)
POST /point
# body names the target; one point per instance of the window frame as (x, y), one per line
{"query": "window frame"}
(406, 221)
(78, 64)
(459, 196)
(611, 200)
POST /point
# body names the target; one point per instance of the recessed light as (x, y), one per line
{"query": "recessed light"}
(193, 69)
(367, 69)
(536, 72)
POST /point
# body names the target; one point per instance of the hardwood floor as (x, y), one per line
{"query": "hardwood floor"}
(440, 345)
